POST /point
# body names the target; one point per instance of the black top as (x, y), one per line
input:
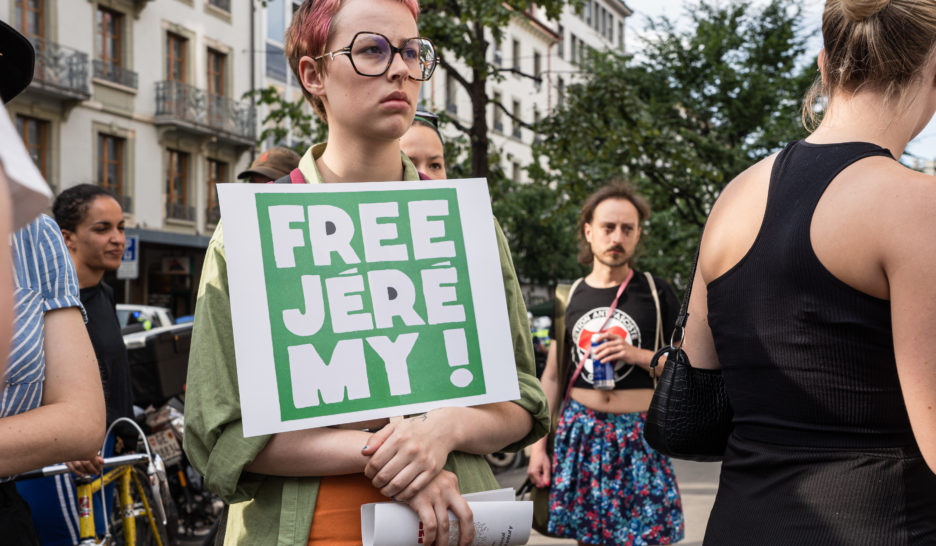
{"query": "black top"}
(109, 349)
(634, 319)
(822, 453)
(807, 359)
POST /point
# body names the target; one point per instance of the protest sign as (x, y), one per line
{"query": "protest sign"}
(352, 302)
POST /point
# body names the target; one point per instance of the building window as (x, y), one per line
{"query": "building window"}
(610, 28)
(29, 17)
(450, 83)
(110, 36)
(498, 115)
(517, 130)
(588, 12)
(276, 66)
(498, 57)
(536, 122)
(537, 68)
(621, 36)
(560, 86)
(109, 46)
(516, 171)
(516, 54)
(217, 172)
(175, 57)
(177, 187)
(111, 166)
(35, 135)
(224, 5)
(216, 61)
(560, 45)
(573, 51)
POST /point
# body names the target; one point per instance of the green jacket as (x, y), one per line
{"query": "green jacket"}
(275, 510)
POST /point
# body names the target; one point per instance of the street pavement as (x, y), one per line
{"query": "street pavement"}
(697, 485)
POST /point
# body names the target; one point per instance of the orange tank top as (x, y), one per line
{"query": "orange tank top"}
(336, 520)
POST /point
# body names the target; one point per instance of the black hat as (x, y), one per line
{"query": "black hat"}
(17, 62)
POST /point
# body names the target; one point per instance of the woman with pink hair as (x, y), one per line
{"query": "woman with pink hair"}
(360, 63)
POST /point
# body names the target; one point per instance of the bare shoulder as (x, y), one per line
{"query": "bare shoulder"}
(905, 202)
(735, 220)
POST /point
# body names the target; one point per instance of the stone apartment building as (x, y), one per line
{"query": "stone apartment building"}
(142, 97)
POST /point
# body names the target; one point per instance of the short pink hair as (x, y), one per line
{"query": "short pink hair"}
(308, 35)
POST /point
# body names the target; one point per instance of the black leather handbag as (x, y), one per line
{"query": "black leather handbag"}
(690, 414)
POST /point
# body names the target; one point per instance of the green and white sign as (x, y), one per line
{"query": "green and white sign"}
(351, 302)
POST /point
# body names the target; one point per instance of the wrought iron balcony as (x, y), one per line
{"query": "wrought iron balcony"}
(61, 71)
(180, 211)
(195, 110)
(213, 214)
(115, 73)
(221, 4)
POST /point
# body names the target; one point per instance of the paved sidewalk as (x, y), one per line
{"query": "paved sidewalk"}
(697, 485)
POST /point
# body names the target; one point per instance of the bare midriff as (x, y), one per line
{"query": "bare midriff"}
(624, 401)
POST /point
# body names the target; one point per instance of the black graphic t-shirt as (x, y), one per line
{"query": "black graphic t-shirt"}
(634, 319)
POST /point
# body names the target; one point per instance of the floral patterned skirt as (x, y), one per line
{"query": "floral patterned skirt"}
(608, 486)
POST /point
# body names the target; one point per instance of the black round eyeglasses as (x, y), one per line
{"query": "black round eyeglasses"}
(371, 55)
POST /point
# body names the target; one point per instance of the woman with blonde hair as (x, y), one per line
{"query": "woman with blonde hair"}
(814, 295)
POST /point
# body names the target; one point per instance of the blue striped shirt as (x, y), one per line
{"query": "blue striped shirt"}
(44, 280)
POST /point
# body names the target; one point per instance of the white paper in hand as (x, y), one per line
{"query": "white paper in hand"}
(499, 521)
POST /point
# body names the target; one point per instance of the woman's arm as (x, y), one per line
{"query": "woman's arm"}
(540, 466)
(312, 452)
(909, 260)
(699, 344)
(70, 423)
(6, 273)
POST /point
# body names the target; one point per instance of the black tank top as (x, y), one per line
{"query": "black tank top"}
(807, 360)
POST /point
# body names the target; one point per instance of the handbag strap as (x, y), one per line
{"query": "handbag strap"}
(683, 317)
(581, 364)
(679, 330)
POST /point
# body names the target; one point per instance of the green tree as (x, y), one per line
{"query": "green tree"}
(287, 121)
(702, 102)
(460, 29)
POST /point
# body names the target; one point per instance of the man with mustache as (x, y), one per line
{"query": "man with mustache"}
(607, 486)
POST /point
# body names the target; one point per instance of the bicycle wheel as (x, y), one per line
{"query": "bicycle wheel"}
(144, 515)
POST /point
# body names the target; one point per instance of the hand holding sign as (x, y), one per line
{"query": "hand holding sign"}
(407, 455)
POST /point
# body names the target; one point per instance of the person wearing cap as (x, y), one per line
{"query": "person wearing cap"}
(270, 165)
(49, 339)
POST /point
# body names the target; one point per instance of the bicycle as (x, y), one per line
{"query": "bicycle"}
(134, 502)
